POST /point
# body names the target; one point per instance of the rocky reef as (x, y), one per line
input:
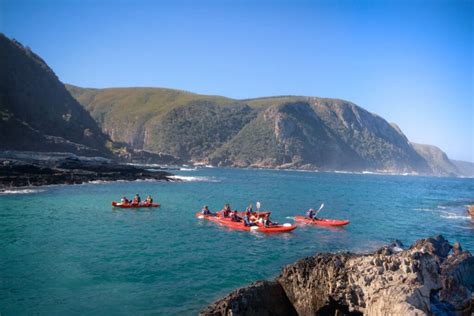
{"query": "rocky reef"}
(430, 277)
(22, 169)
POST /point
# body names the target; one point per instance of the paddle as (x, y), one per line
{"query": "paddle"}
(319, 210)
(258, 206)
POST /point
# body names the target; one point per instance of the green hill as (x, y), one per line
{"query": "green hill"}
(282, 131)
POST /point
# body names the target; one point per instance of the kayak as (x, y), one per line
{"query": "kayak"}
(118, 204)
(287, 227)
(322, 221)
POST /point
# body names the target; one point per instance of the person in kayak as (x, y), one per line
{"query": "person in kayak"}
(148, 200)
(266, 221)
(253, 217)
(124, 200)
(310, 214)
(247, 221)
(249, 210)
(226, 211)
(136, 199)
(205, 210)
(235, 216)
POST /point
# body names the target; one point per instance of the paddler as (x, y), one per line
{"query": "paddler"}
(136, 199)
(148, 200)
(205, 210)
(310, 214)
(124, 201)
(249, 210)
(226, 211)
(235, 216)
(247, 221)
(266, 221)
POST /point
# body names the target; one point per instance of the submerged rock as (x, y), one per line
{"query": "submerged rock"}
(427, 278)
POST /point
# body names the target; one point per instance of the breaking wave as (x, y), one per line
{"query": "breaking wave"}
(194, 179)
(24, 191)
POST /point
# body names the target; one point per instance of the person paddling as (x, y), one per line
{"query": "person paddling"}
(124, 201)
(249, 210)
(136, 200)
(205, 210)
(310, 213)
(148, 200)
(266, 221)
(247, 221)
(226, 211)
(235, 216)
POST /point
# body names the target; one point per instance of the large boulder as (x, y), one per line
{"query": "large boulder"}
(431, 277)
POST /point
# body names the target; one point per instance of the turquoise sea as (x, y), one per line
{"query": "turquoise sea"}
(64, 250)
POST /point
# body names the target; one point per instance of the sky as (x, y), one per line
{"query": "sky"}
(411, 62)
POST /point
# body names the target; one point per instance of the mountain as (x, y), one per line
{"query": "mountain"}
(283, 131)
(465, 168)
(437, 160)
(36, 110)
(324, 134)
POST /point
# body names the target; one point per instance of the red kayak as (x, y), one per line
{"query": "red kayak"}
(322, 221)
(240, 225)
(129, 205)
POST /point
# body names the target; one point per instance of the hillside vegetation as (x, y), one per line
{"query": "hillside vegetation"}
(282, 131)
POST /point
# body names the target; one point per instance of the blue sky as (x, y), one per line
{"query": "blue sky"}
(411, 62)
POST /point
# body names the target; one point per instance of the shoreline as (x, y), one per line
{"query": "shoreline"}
(35, 170)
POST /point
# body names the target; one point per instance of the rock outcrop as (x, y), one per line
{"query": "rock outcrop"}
(431, 277)
(25, 169)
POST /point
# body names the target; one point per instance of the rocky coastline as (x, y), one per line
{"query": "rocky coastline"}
(29, 169)
(432, 277)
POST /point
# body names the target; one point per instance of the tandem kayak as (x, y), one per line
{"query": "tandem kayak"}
(129, 205)
(322, 221)
(287, 227)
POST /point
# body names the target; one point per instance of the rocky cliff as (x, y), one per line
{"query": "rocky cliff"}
(277, 132)
(437, 160)
(320, 133)
(431, 277)
(36, 110)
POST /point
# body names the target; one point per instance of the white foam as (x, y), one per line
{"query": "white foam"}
(454, 216)
(187, 169)
(193, 179)
(23, 191)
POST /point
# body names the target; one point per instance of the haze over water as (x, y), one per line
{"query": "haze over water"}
(64, 250)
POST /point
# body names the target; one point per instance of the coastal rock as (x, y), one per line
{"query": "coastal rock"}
(429, 277)
(24, 169)
(258, 299)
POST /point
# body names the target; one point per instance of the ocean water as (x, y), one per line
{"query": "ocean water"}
(65, 250)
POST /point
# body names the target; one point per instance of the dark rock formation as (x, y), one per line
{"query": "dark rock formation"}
(37, 112)
(21, 169)
(428, 278)
(258, 299)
